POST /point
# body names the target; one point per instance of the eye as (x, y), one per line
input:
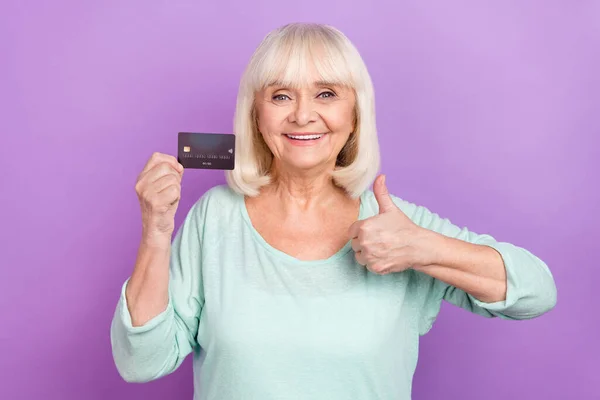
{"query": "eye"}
(280, 97)
(326, 95)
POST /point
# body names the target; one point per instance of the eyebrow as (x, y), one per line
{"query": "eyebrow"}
(316, 83)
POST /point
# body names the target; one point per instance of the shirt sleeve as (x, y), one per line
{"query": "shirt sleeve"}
(148, 352)
(531, 290)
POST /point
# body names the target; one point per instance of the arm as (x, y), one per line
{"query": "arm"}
(155, 325)
(147, 292)
(476, 269)
(478, 273)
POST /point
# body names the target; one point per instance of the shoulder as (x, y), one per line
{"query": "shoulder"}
(221, 194)
(215, 202)
(426, 218)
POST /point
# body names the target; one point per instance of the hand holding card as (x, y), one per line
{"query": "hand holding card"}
(206, 150)
(158, 187)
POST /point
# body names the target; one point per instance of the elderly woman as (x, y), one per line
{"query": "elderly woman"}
(294, 280)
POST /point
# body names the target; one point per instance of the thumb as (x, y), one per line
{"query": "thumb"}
(382, 195)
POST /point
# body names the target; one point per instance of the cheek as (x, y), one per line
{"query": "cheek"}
(339, 119)
(269, 127)
(270, 119)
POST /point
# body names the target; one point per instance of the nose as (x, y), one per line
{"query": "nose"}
(303, 112)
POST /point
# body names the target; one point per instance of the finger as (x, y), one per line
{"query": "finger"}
(356, 245)
(382, 195)
(377, 269)
(157, 172)
(360, 258)
(170, 195)
(164, 182)
(354, 229)
(160, 170)
(158, 158)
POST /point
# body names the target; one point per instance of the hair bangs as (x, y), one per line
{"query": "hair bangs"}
(294, 58)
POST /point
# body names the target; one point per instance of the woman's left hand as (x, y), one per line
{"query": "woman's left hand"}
(390, 241)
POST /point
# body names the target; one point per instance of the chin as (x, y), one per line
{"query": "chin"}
(305, 165)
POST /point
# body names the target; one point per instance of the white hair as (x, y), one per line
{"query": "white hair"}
(284, 56)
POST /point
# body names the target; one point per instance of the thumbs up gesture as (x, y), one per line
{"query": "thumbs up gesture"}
(389, 241)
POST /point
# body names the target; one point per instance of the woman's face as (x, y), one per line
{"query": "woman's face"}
(305, 128)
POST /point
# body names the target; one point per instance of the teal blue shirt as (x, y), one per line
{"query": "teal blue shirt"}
(264, 325)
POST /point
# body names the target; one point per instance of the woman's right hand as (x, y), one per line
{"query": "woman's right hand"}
(158, 188)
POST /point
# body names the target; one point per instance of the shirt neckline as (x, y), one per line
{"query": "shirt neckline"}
(287, 257)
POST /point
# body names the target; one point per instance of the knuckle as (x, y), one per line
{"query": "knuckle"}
(176, 178)
(371, 246)
(171, 169)
(153, 200)
(163, 168)
(170, 179)
(173, 191)
(144, 195)
(357, 255)
(377, 268)
(362, 231)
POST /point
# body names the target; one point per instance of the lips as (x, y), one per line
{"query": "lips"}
(304, 136)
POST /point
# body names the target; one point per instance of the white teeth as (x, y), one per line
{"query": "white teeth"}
(305, 137)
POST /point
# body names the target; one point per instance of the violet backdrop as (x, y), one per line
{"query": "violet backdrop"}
(487, 113)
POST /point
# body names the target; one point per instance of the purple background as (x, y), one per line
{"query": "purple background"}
(487, 112)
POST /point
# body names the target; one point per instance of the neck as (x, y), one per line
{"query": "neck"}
(303, 190)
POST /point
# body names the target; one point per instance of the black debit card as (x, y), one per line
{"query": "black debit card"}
(206, 150)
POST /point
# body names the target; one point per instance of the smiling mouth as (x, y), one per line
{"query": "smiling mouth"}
(305, 136)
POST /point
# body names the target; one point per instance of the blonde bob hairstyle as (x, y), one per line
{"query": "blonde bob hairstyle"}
(284, 56)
